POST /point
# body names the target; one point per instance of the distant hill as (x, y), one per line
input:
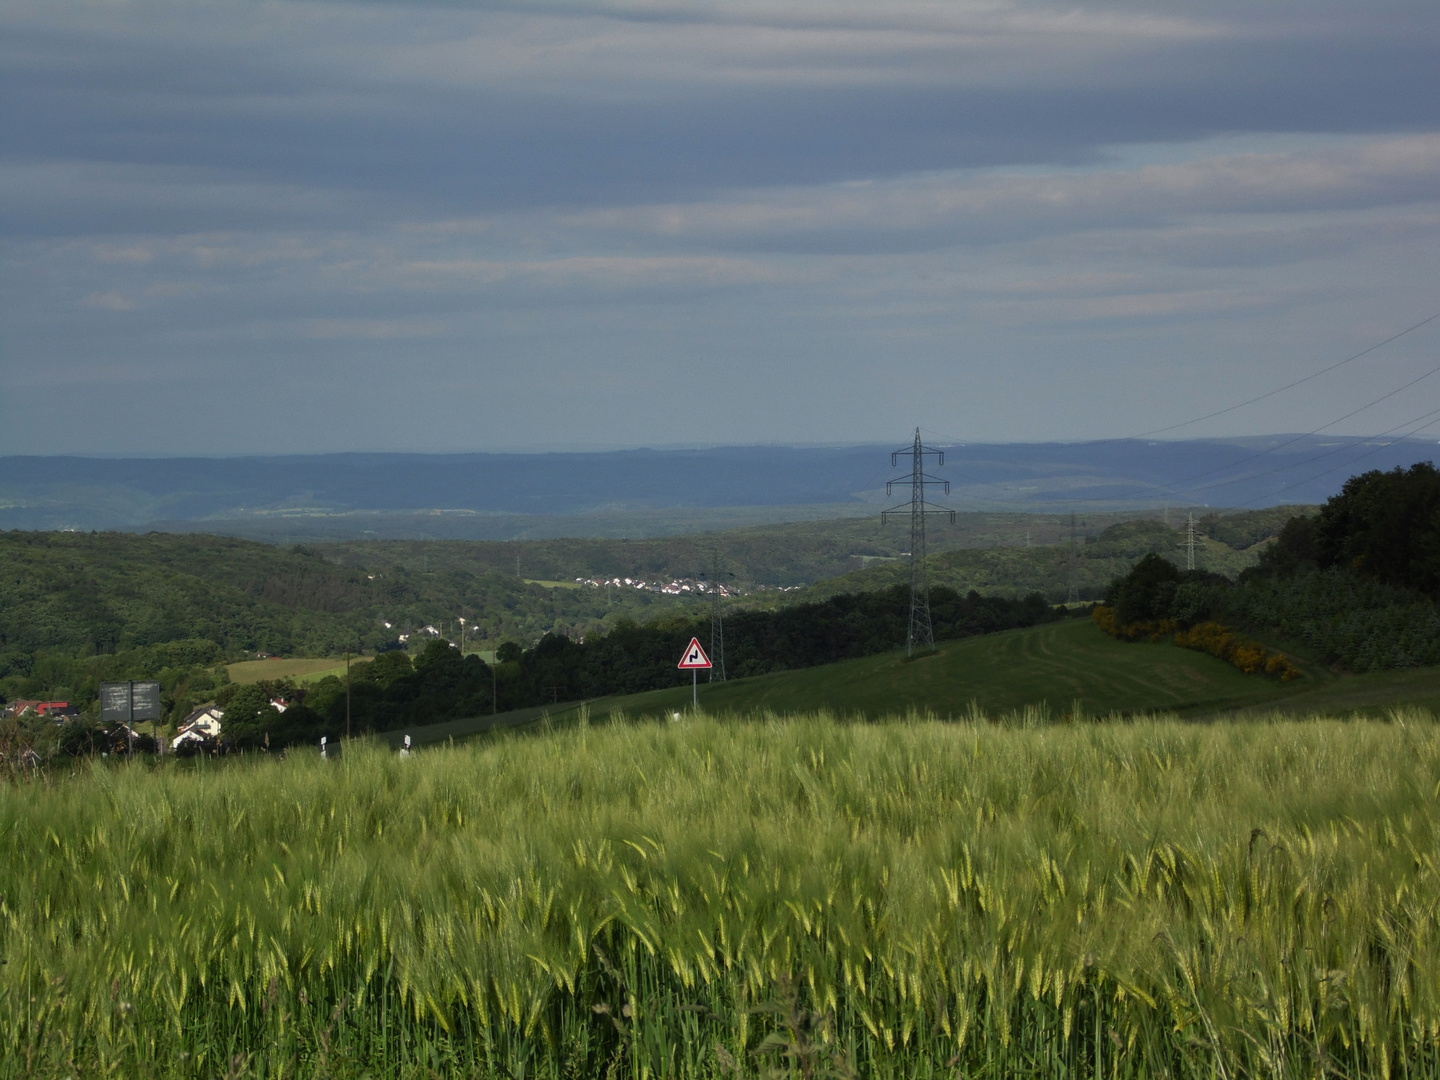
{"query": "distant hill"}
(654, 492)
(78, 594)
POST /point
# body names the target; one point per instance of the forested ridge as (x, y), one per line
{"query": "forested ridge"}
(1354, 585)
(1104, 549)
(87, 594)
(77, 609)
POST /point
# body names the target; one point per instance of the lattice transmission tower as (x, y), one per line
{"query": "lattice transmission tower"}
(921, 635)
(1072, 594)
(717, 620)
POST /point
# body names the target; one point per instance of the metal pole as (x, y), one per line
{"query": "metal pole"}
(130, 726)
(347, 696)
(694, 689)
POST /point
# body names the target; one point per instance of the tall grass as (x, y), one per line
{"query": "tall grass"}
(725, 897)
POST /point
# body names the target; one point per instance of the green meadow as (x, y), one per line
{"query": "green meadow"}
(1058, 665)
(1055, 668)
(298, 669)
(723, 897)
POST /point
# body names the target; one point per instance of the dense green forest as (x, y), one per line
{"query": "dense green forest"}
(79, 595)
(1355, 585)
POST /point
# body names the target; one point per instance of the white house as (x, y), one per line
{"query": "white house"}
(200, 725)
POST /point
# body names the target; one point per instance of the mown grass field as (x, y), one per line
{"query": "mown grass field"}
(1056, 666)
(300, 670)
(1059, 664)
(726, 897)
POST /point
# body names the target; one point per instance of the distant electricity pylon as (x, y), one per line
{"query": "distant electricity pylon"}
(921, 634)
(1190, 541)
(717, 621)
(1072, 595)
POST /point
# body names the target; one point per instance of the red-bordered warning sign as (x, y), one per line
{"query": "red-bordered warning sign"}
(694, 657)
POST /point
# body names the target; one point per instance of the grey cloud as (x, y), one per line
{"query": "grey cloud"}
(435, 114)
(935, 212)
(407, 225)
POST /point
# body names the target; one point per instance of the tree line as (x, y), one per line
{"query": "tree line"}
(395, 691)
(1356, 582)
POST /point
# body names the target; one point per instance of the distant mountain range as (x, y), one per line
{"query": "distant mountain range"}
(640, 492)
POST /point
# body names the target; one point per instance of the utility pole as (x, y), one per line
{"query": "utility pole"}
(347, 697)
(1190, 541)
(1073, 595)
(717, 622)
(920, 634)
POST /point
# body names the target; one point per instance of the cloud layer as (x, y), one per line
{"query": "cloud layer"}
(292, 226)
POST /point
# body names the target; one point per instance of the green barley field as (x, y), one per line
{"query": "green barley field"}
(741, 897)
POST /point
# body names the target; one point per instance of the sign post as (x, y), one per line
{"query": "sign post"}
(694, 661)
(126, 702)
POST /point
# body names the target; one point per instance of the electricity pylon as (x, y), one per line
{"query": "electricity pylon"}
(921, 635)
(717, 622)
(1190, 541)
(1072, 596)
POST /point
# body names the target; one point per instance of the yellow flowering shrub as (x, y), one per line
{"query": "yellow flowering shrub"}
(1208, 637)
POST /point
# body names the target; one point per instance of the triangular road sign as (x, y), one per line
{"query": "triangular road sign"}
(694, 657)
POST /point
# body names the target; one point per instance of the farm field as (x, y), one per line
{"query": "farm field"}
(1055, 666)
(1048, 668)
(708, 898)
(301, 670)
(1059, 665)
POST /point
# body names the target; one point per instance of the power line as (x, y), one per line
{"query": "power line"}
(955, 440)
(1330, 453)
(1351, 462)
(1287, 386)
(1173, 485)
(1291, 441)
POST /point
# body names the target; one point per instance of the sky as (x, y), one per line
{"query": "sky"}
(264, 226)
